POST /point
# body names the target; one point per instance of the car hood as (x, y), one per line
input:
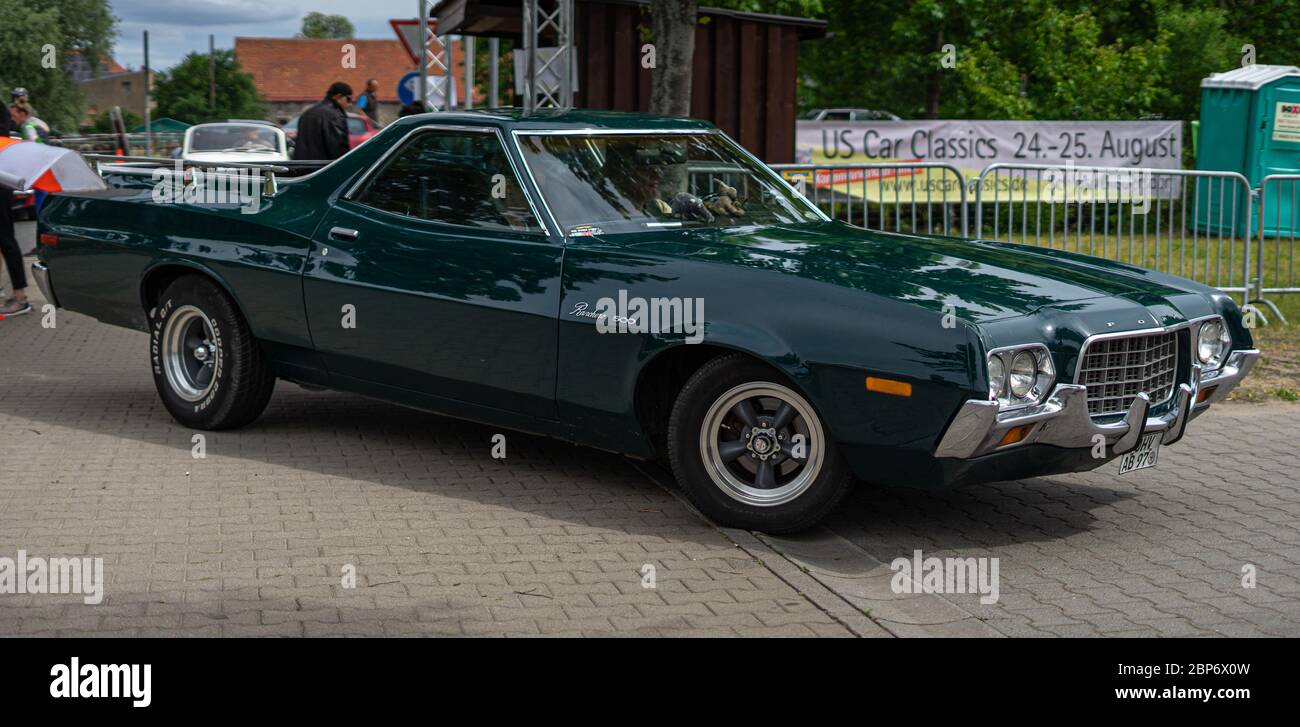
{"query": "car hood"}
(978, 281)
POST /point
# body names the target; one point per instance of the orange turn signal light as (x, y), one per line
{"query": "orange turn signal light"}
(1016, 434)
(1205, 394)
(888, 386)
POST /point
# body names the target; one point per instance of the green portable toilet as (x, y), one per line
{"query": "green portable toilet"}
(1250, 124)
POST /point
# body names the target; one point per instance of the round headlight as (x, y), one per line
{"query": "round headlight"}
(1212, 342)
(997, 376)
(1024, 372)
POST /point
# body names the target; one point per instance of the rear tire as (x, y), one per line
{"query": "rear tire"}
(208, 368)
(750, 451)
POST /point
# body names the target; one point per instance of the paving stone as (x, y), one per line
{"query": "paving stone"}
(1156, 552)
(254, 538)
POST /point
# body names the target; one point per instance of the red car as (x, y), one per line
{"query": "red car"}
(360, 128)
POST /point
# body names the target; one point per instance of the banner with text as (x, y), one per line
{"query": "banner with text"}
(971, 146)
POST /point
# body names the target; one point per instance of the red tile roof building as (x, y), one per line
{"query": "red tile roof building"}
(292, 73)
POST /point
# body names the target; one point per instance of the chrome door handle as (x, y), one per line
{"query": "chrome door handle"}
(343, 233)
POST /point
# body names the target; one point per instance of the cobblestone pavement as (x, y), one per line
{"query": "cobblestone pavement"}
(254, 538)
(1158, 552)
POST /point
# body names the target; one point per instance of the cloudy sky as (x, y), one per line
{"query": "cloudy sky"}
(178, 27)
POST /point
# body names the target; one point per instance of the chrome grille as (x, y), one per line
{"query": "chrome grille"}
(1115, 370)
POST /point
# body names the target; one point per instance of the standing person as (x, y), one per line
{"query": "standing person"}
(323, 128)
(369, 102)
(29, 127)
(19, 95)
(6, 122)
(11, 257)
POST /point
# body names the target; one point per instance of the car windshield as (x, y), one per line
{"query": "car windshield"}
(608, 183)
(234, 137)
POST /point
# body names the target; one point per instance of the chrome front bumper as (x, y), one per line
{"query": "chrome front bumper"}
(41, 275)
(1063, 419)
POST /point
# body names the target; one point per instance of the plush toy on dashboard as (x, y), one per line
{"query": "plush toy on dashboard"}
(727, 202)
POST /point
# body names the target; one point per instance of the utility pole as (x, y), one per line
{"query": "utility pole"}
(212, 74)
(494, 51)
(423, 80)
(468, 42)
(148, 114)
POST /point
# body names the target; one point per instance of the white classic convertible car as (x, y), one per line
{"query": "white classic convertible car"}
(235, 141)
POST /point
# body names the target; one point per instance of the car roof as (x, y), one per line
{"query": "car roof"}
(557, 119)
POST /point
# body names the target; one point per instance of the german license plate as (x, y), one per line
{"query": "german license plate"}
(1142, 457)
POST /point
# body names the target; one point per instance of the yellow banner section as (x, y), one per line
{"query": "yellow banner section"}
(942, 185)
(911, 184)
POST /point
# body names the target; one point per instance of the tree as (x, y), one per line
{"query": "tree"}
(35, 40)
(672, 26)
(672, 32)
(796, 8)
(320, 25)
(102, 123)
(505, 70)
(182, 92)
(1197, 43)
(1037, 59)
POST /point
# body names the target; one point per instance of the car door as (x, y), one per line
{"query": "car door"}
(434, 274)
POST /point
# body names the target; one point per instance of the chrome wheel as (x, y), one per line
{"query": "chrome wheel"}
(189, 354)
(762, 444)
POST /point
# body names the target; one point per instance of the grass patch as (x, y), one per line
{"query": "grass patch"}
(1277, 375)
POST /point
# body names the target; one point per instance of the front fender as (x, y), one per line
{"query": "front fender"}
(826, 339)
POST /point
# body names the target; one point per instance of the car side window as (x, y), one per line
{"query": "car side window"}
(452, 176)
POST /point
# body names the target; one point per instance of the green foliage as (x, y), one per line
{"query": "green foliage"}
(796, 8)
(320, 25)
(505, 70)
(1076, 75)
(1197, 44)
(103, 122)
(989, 86)
(1037, 59)
(84, 26)
(182, 92)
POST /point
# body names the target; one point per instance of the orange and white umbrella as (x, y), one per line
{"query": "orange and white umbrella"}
(28, 165)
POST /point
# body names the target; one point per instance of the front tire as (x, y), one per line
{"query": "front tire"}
(207, 367)
(750, 451)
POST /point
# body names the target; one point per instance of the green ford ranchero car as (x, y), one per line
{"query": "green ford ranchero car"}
(643, 285)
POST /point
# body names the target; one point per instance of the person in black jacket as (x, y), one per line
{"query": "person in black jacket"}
(323, 128)
(11, 255)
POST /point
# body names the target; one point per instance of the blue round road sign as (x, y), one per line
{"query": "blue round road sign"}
(408, 90)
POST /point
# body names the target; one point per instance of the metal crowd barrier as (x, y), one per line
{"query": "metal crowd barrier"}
(1279, 216)
(1208, 226)
(920, 197)
(164, 143)
(1194, 224)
